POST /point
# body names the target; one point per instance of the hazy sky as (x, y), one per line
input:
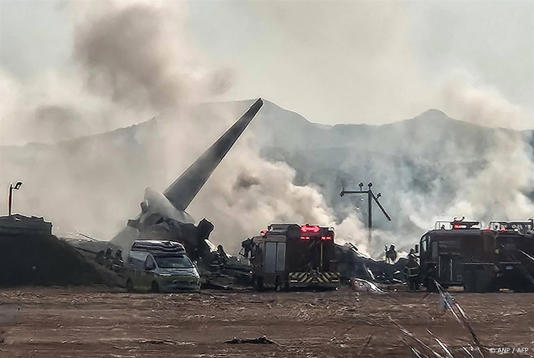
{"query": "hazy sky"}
(332, 61)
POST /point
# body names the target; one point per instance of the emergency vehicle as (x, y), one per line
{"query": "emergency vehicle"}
(292, 256)
(160, 266)
(461, 253)
(512, 257)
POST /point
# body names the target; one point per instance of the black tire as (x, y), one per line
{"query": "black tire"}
(431, 286)
(525, 288)
(277, 286)
(486, 284)
(129, 285)
(479, 281)
(155, 287)
(285, 286)
(258, 283)
(469, 281)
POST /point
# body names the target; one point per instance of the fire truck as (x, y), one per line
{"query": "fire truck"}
(292, 256)
(461, 253)
(512, 256)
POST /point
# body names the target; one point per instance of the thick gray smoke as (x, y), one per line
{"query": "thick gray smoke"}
(133, 62)
(501, 188)
(429, 168)
(139, 58)
(497, 178)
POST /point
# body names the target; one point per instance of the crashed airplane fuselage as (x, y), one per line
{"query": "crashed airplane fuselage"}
(164, 216)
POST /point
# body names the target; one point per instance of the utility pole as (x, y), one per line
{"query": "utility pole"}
(10, 200)
(370, 197)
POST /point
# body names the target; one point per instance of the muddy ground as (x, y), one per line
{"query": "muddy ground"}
(93, 322)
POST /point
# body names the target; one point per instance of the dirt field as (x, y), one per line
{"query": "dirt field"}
(89, 322)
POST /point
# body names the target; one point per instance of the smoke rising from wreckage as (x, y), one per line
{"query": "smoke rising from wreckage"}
(166, 211)
(93, 158)
(163, 216)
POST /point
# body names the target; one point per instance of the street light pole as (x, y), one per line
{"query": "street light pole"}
(10, 200)
(370, 197)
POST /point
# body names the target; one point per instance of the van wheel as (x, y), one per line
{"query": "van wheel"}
(155, 287)
(469, 281)
(277, 287)
(129, 286)
(285, 286)
(258, 283)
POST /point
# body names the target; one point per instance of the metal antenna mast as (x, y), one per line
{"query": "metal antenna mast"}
(370, 197)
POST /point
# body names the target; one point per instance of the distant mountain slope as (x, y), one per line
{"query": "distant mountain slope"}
(416, 161)
(425, 160)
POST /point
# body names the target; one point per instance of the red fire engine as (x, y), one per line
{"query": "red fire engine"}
(290, 255)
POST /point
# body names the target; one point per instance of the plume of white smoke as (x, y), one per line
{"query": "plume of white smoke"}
(133, 62)
(499, 189)
(497, 186)
(129, 65)
(247, 193)
(138, 56)
(480, 105)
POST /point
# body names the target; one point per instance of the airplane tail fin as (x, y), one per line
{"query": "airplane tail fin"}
(182, 191)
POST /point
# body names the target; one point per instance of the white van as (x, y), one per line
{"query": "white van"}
(160, 266)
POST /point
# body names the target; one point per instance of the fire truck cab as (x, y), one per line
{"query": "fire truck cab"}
(460, 253)
(441, 252)
(513, 254)
(289, 256)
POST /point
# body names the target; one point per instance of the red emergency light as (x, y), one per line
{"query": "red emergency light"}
(310, 228)
(304, 237)
(326, 237)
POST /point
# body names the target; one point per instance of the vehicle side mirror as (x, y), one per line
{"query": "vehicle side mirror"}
(416, 249)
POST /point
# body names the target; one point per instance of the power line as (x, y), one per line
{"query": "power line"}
(370, 198)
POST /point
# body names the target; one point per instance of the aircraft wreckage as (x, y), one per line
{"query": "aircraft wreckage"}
(163, 216)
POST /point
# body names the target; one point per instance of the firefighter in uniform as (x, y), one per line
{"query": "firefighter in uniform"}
(108, 258)
(391, 254)
(117, 261)
(411, 271)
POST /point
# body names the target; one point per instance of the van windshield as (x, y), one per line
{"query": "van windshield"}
(174, 262)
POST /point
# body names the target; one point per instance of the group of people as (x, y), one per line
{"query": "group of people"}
(411, 269)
